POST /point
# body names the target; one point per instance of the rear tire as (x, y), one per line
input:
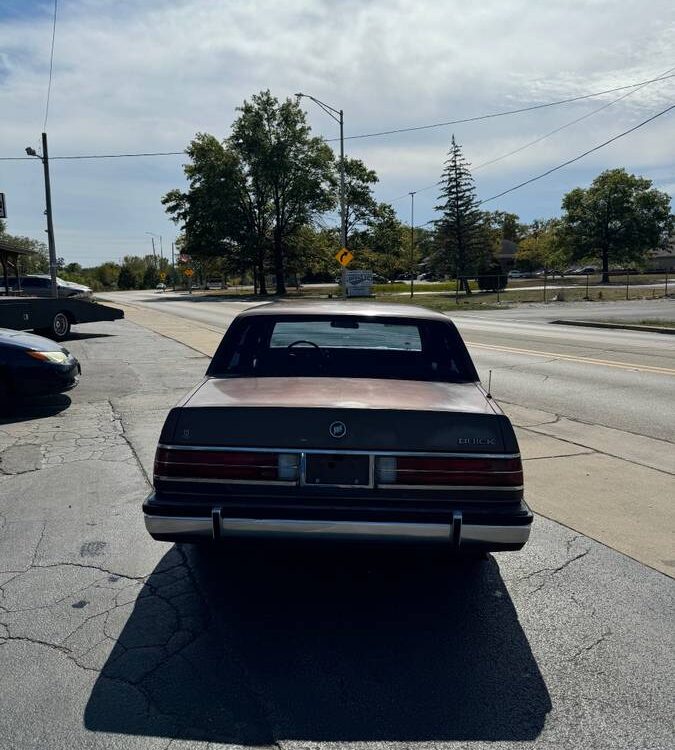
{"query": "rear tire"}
(60, 326)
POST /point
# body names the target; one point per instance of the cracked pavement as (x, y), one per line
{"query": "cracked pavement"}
(111, 640)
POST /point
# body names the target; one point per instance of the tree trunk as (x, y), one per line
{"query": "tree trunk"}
(279, 262)
(465, 285)
(262, 286)
(605, 265)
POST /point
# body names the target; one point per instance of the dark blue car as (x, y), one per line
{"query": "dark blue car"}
(32, 365)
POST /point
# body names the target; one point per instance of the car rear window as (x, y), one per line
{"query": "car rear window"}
(343, 346)
(347, 334)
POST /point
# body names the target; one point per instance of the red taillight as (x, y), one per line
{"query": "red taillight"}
(225, 465)
(449, 472)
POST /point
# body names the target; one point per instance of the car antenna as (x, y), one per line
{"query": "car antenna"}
(489, 388)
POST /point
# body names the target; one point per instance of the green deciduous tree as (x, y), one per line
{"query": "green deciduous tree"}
(618, 219)
(214, 214)
(37, 261)
(542, 247)
(383, 245)
(462, 236)
(284, 163)
(360, 204)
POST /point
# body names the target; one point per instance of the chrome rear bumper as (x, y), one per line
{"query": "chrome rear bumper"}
(456, 533)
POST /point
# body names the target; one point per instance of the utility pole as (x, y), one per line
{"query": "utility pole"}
(338, 116)
(173, 267)
(343, 213)
(412, 242)
(48, 201)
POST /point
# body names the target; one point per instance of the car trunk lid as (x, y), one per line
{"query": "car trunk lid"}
(342, 414)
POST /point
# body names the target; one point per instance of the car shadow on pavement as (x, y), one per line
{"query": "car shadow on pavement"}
(79, 336)
(205, 297)
(321, 644)
(33, 407)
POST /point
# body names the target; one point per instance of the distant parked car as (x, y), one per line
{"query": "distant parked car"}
(161, 287)
(515, 274)
(580, 271)
(40, 285)
(34, 365)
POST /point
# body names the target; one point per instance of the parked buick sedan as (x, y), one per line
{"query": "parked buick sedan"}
(363, 422)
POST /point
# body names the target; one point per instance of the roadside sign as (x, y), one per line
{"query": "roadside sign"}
(3, 207)
(357, 283)
(188, 272)
(184, 258)
(162, 275)
(344, 256)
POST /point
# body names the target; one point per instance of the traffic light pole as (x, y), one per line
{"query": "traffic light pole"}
(50, 223)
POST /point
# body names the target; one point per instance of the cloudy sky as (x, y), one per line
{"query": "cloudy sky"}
(145, 75)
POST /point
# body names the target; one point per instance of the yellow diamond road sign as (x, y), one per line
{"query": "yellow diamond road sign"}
(344, 256)
(188, 272)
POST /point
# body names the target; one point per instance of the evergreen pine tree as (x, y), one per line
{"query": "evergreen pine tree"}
(460, 232)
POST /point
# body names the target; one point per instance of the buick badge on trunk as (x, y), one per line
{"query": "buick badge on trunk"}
(252, 450)
(337, 429)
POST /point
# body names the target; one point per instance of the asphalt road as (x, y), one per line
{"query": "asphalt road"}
(619, 379)
(111, 640)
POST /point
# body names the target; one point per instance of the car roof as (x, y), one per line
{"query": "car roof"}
(365, 309)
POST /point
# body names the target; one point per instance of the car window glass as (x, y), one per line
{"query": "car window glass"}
(346, 347)
(366, 336)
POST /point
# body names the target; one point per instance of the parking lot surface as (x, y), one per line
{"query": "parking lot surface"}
(111, 640)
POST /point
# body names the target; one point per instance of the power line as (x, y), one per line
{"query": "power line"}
(580, 156)
(51, 69)
(569, 161)
(566, 125)
(662, 76)
(505, 112)
(381, 133)
(98, 156)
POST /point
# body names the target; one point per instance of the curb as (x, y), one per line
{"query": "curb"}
(620, 326)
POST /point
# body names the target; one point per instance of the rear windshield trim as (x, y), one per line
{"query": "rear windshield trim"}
(220, 364)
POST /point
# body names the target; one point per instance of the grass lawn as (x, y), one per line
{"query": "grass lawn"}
(648, 322)
(488, 300)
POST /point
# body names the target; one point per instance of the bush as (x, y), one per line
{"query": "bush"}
(126, 279)
(492, 279)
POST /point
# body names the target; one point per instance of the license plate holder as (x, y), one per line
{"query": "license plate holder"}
(337, 470)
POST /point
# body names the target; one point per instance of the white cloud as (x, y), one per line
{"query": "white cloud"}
(132, 76)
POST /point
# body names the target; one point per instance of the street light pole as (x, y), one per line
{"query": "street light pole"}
(343, 213)
(161, 252)
(412, 242)
(48, 205)
(338, 116)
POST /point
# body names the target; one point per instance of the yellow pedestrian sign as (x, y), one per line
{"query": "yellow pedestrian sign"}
(344, 256)
(188, 272)
(162, 275)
